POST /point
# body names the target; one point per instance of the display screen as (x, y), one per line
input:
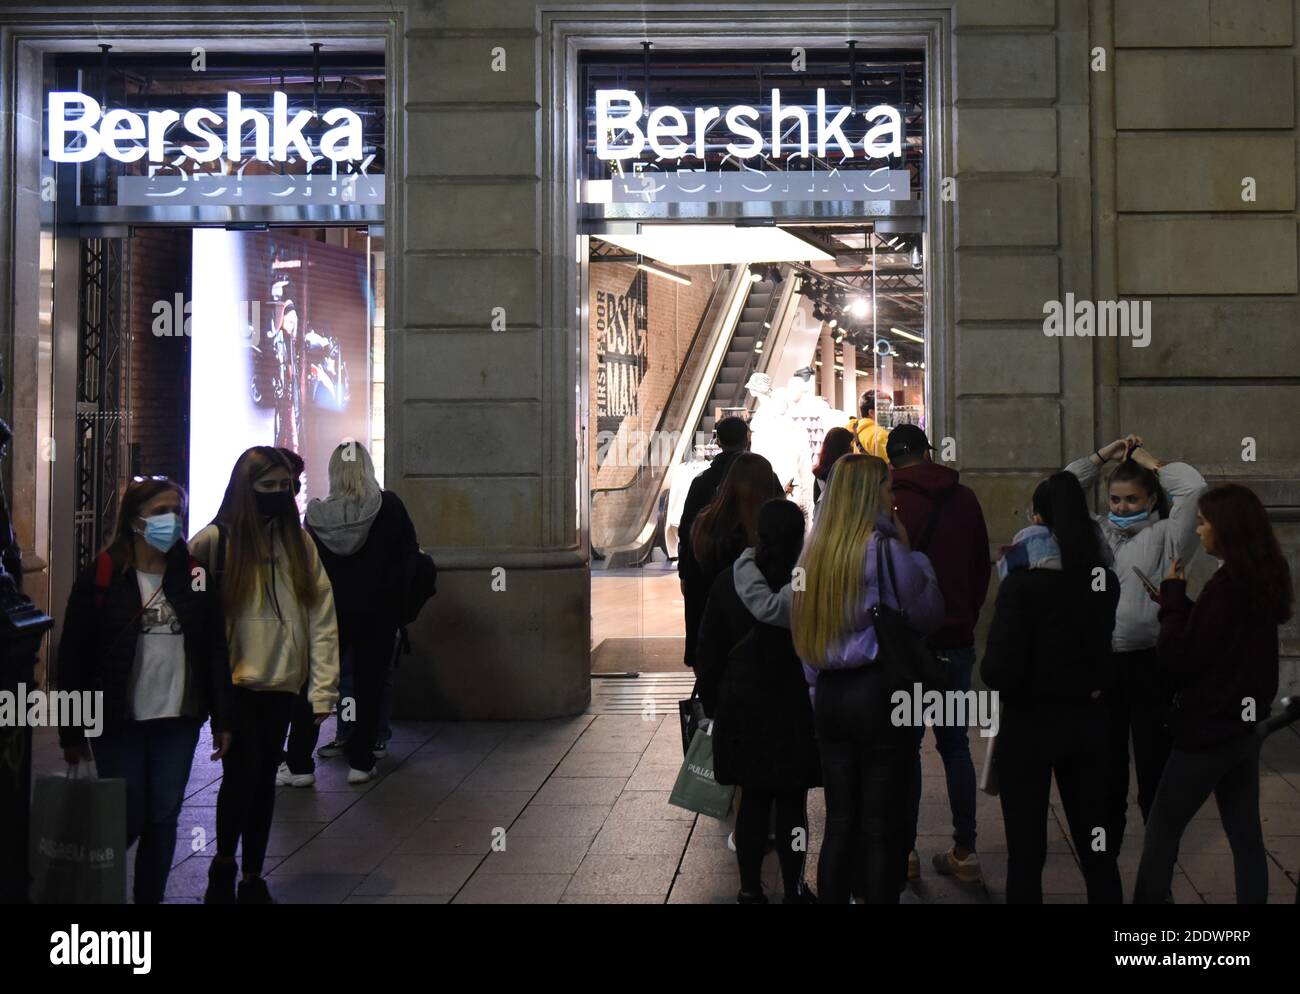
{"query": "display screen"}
(280, 355)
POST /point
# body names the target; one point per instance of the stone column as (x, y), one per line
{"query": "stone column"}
(826, 353)
(849, 390)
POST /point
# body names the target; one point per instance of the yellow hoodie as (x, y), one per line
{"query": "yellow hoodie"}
(870, 437)
(287, 649)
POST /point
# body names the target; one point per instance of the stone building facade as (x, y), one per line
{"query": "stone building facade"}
(1099, 148)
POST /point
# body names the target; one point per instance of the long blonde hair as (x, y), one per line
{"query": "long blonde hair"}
(352, 473)
(834, 561)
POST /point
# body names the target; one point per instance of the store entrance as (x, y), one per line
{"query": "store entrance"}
(753, 243)
(786, 327)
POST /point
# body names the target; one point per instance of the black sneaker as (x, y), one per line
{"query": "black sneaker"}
(254, 892)
(744, 897)
(221, 882)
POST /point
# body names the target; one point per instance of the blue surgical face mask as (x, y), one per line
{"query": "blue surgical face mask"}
(162, 531)
(1123, 521)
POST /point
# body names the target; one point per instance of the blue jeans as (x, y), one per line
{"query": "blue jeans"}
(958, 768)
(154, 758)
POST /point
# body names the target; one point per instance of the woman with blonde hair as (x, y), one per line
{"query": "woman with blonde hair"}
(364, 536)
(865, 757)
(282, 636)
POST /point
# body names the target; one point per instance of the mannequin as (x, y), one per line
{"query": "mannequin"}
(779, 439)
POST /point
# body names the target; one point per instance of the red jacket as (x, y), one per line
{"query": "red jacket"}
(958, 544)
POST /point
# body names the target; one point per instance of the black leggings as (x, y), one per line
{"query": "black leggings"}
(791, 823)
(1136, 707)
(1035, 743)
(1231, 773)
(866, 769)
(246, 798)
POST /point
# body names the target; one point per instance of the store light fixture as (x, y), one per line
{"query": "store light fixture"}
(860, 308)
(908, 335)
(650, 266)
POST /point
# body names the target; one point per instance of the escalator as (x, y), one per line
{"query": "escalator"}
(628, 521)
(739, 360)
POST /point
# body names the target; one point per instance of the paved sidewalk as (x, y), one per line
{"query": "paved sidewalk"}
(583, 805)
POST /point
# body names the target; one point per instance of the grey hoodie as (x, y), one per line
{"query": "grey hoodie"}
(769, 606)
(342, 525)
(1150, 546)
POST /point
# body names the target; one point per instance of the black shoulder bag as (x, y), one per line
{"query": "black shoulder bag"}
(902, 655)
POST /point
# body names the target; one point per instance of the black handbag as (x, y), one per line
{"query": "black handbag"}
(902, 655)
(691, 714)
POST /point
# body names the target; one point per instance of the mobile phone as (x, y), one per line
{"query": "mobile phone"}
(1152, 589)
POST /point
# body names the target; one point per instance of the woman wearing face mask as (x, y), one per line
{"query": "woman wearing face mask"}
(1222, 654)
(137, 629)
(1151, 521)
(283, 636)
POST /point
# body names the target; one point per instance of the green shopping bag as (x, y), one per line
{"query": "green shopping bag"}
(695, 789)
(78, 847)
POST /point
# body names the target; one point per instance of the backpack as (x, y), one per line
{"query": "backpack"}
(419, 583)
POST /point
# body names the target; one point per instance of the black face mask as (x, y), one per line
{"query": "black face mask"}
(274, 504)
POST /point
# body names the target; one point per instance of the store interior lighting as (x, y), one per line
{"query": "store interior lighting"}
(654, 268)
(716, 244)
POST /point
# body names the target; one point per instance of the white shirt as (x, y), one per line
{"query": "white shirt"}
(157, 685)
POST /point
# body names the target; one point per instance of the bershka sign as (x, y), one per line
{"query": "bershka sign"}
(118, 133)
(622, 111)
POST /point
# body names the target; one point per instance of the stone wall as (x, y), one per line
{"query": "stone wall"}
(1197, 196)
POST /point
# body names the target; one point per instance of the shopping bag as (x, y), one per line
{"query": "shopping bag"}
(690, 713)
(989, 771)
(78, 833)
(695, 789)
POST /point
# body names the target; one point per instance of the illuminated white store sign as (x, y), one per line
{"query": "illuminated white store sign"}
(622, 111)
(119, 133)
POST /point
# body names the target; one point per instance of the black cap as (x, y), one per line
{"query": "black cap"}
(906, 440)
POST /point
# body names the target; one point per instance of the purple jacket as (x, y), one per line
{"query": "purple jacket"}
(917, 594)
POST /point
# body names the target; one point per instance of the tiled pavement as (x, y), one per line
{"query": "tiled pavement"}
(582, 806)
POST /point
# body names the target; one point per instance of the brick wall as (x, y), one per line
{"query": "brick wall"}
(673, 313)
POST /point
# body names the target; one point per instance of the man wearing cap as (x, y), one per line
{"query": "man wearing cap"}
(868, 436)
(943, 520)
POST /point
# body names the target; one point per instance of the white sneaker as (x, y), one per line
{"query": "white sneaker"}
(731, 841)
(361, 776)
(284, 778)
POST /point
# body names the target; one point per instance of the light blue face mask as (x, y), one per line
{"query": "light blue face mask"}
(1122, 521)
(162, 531)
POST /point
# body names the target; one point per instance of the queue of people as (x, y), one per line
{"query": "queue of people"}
(244, 626)
(1093, 642)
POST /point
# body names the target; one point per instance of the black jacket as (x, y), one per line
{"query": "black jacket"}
(368, 583)
(698, 577)
(98, 645)
(752, 684)
(1050, 638)
(1217, 652)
